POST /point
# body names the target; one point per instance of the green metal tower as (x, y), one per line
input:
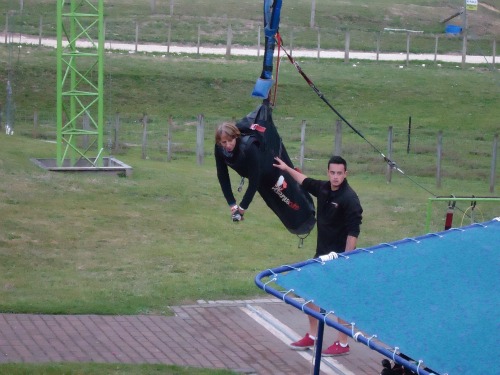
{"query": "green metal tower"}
(80, 82)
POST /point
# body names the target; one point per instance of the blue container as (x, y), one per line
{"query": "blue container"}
(453, 29)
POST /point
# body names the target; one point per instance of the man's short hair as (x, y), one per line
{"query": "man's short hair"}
(335, 159)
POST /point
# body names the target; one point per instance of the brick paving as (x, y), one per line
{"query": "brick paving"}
(248, 337)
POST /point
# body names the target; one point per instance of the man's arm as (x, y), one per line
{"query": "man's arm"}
(351, 243)
(296, 175)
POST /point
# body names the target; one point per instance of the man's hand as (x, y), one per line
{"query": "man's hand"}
(280, 164)
(295, 174)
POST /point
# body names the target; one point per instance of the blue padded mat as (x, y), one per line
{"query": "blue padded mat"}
(435, 297)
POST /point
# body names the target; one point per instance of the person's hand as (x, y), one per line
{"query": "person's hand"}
(280, 164)
(237, 213)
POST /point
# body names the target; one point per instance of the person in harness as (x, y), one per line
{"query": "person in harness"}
(249, 147)
(241, 153)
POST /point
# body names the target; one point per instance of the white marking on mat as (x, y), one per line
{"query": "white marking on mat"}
(287, 335)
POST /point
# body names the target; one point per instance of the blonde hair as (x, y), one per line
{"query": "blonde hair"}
(228, 128)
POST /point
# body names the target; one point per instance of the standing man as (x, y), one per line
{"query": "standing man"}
(339, 215)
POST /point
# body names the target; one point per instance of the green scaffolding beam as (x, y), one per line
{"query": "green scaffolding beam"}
(451, 199)
(80, 82)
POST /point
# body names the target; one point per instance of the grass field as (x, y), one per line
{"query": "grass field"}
(109, 369)
(209, 21)
(76, 244)
(73, 243)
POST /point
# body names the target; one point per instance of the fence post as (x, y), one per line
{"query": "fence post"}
(494, 52)
(35, 124)
(198, 43)
(347, 44)
(436, 48)
(136, 35)
(313, 13)
(439, 155)
(116, 130)
(200, 137)
(302, 144)
(40, 27)
(229, 40)
(409, 136)
(171, 8)
(407, 48)
(464, 48)
(6, 26)
(388, 173)
(493, 163)
(378, 45)
(258, 41)
(144, 135)
(169, 37)
(338, 138)
(169, 139)
(319, 42)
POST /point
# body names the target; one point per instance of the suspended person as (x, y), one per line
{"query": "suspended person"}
(339, 216)
(243, 157)
(249, 147)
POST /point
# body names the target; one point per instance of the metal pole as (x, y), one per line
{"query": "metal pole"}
(439, 155)
(389, 154)
(493, 164)
(464, 44)
(319, 346)
(457, 199)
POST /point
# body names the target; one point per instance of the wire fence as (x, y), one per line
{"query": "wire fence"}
(418, 152)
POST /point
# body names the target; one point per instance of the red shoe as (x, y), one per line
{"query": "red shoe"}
(304, 343)
(335, 349)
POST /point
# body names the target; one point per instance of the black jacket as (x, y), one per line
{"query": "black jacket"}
(339, 214)
(245, 160)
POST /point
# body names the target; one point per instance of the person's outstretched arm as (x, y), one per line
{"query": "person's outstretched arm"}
(296, 175)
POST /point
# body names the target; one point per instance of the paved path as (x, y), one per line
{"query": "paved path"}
(249, 51)
(249, 337)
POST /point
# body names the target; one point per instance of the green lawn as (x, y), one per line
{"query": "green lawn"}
(97, 369)
(100, 244)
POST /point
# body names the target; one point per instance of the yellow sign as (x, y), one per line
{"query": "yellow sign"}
(471, 4)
